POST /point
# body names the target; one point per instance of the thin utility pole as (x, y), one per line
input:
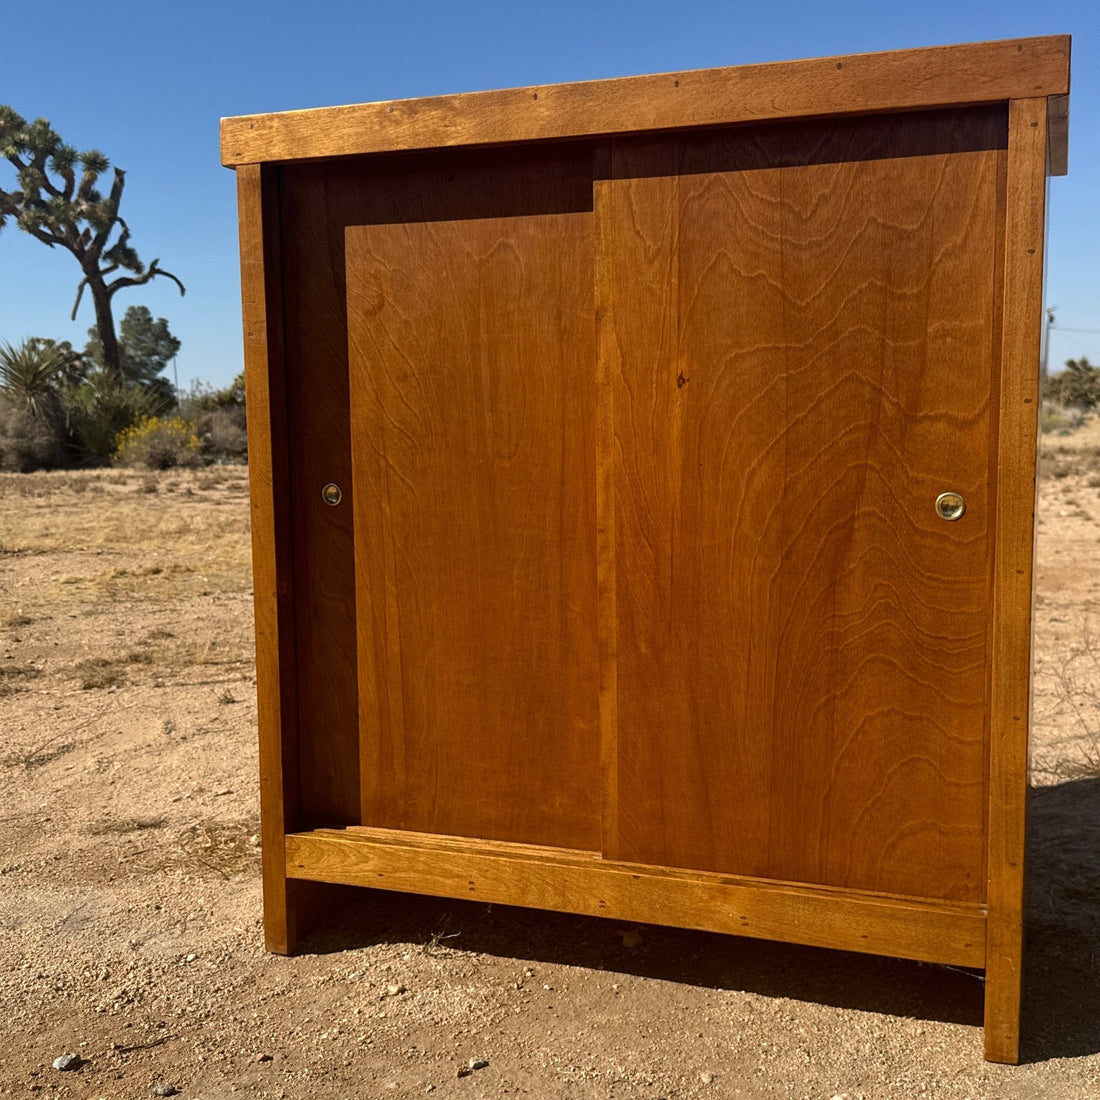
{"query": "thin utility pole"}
(1046, 340)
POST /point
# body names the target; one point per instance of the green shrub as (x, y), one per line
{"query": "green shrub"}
(100, 408)
(158, 442)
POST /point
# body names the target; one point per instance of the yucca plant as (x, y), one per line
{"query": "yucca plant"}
(31, 374)
(32, 422)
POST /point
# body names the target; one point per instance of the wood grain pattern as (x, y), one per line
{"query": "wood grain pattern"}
(801, 337)
(1012, 572)
(898, 80)
(550, 879)
(273, 588)
(472, 408)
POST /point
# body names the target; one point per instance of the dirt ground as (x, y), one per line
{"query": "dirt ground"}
(129, 870)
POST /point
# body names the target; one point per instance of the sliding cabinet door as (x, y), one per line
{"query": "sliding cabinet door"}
(798, 330)
(471, 352)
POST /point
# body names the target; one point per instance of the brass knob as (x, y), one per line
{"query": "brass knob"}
(950, 506)
(331, 494)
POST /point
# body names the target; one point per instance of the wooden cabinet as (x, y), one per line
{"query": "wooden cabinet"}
(599, 441)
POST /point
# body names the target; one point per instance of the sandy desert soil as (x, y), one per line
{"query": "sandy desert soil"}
(129, 870)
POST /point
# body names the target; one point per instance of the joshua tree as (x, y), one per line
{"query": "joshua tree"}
(67, 210)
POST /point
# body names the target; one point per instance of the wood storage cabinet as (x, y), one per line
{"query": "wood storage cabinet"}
(608, 443)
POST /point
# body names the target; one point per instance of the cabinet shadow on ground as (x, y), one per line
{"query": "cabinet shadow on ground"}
(1061, 1015)
(1061, 1007)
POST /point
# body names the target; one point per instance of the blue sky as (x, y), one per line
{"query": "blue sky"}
(146, 83)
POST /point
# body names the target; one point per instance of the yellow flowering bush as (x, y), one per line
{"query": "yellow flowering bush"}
(158, 442)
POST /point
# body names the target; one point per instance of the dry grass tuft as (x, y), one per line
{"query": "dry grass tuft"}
(99, 672)
(39, 755)
(224, 847)
(1071, 699)
(13, 678)
(122, 826)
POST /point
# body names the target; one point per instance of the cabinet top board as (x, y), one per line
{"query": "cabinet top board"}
(898, 80)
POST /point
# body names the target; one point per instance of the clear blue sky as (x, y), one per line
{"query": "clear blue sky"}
(146, 83)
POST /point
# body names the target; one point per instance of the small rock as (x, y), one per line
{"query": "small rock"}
(632, 939)
(478, 1063)
(706, 1078)
(394, 990)
(463, 1071)
(68, 1061)
(263, 1057)
(161, 1089)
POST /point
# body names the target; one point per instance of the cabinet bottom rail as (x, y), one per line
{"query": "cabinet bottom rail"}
(584, 883)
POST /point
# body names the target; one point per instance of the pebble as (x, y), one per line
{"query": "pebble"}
(706, 1078)
(632, 939)
(263, 1057)
(67, 1061)
(161, 1089)
(470, 1066)
(394, 990)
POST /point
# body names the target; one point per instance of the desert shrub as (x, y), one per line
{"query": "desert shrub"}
(101, 407)
(1060, 418)
(223, 434)
(1076, 387)
(29, 440)
(219, 419)
(157, 443)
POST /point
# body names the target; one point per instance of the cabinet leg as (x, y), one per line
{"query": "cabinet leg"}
(281, 904)
(292, 908)
(1002, 1010)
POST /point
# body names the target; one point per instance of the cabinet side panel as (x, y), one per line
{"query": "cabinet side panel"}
(273, 574)
(803, 322)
